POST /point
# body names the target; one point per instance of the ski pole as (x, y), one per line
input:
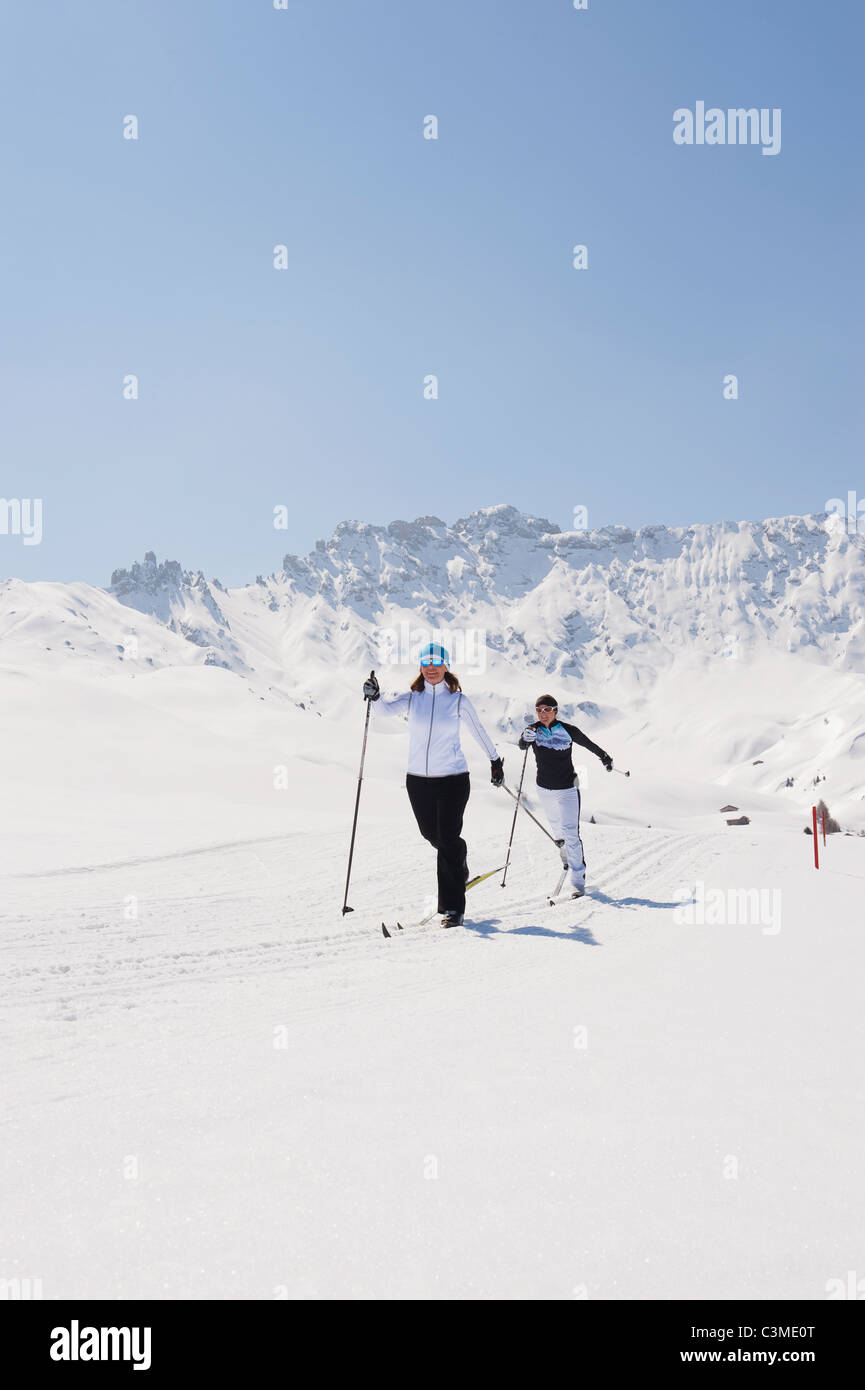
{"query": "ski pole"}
(345, 906)
(620, 772)
(514, 821)
(523, 807)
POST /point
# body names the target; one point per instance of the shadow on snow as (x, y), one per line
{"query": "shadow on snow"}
(596, 896)
(492, 926)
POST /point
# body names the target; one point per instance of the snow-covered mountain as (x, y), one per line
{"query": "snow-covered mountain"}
(732, 646)
(564, 597)
(566, 603)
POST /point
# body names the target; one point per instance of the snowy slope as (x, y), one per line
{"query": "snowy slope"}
(730, 655)
(240, 1094)
(218, 1086)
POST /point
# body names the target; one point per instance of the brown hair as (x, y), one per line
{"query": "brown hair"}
(451, 681)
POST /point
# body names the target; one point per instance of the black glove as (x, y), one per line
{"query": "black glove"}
(370, 687)
(608, 762)
(497, 772)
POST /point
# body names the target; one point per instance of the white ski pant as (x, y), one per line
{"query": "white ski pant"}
(562, 810)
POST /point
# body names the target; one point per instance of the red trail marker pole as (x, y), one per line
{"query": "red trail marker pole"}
(823, 817)
(816, 842)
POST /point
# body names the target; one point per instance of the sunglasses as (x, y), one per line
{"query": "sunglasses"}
(545, 709)
(431, 661)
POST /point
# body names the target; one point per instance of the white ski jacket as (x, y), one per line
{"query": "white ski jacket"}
(434, 715)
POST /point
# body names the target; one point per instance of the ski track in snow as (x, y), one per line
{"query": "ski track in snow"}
(302, 1166)
(145, 859)
(81, 956)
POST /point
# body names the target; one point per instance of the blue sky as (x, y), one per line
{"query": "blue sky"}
(557, 388)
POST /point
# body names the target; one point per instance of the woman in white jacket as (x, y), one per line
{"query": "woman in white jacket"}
(437, 780)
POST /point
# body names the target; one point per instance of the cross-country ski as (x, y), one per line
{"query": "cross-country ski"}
(472, 883)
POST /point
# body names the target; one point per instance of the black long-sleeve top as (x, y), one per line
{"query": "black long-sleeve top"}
(553, 753)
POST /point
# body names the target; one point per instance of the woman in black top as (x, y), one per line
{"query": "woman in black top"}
(558, 785)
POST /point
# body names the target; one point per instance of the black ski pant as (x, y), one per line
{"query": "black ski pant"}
(438, 804)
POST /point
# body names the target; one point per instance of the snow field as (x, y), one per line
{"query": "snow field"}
(239, 1093)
